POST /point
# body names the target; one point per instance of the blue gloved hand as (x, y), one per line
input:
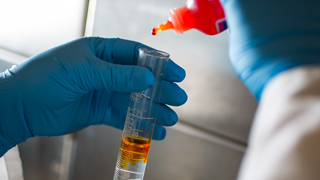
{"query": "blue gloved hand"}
(84, 82)
(268, 37)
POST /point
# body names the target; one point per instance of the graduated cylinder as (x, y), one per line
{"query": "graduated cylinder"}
(140, 119)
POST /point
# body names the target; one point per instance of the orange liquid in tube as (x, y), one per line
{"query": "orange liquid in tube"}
(134, 150)
(206, 16)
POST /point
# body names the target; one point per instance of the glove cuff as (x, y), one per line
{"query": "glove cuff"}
(4, 145)
(13, 129)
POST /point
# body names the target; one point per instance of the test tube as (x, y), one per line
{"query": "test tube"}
(140, 119)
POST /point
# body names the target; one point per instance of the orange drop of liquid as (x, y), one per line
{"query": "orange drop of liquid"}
(154, 31)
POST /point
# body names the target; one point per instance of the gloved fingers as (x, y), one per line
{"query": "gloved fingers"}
(118, 119)
(120, 51)
(159, 132)
(115, 50)
(165, 115)
(125, 52)
(173, 72)
(171, 94)
(101, 75)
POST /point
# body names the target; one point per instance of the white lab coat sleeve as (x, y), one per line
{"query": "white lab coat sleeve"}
(10, 165)
(284, 142)
(3, 169)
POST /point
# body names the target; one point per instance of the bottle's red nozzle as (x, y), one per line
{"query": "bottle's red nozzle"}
(162, 27)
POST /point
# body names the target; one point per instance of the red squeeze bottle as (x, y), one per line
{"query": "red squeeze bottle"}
(206, 16)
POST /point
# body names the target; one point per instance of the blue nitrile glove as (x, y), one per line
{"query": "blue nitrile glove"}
(268, 37)
(81, 83)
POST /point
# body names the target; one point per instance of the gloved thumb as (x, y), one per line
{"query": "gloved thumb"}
(102, 75)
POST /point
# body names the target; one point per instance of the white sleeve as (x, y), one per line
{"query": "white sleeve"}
(10, 165)
(3, 169)
(13, 163)
(284, 142)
